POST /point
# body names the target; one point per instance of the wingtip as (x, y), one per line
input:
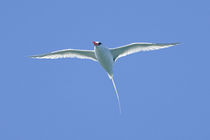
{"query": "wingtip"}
(177, 43)
(32, 57)
(173, 44)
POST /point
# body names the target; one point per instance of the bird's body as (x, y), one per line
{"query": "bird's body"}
(105, 56)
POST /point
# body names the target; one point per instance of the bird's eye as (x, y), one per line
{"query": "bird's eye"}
(99, 43)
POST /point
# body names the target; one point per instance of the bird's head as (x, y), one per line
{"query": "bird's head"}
(96, 43)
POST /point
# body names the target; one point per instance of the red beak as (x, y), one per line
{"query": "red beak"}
(95, 44)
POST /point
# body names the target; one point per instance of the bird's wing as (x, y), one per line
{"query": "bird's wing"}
(137, 47)
(68, 53)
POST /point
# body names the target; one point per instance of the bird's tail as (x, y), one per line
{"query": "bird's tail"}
(118, 98)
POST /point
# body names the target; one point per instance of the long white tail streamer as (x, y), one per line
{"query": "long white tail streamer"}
(118, 98)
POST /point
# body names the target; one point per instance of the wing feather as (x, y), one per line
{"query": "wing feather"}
(137, 47)
(68, 53)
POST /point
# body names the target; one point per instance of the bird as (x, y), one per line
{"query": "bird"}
(106, 56)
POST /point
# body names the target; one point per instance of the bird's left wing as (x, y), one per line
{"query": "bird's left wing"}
(68, 53)
(137, 47)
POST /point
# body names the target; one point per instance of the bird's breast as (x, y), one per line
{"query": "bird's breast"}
(105, 58)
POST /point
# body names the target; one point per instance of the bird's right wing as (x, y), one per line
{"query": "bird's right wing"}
(137, 47)
(68, 53)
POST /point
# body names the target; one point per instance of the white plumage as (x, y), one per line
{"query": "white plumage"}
(105, 56)
(68, 53)
(137, 47)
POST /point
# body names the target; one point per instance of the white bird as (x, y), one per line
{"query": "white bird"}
(105, 56)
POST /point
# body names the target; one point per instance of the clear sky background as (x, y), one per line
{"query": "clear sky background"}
(165, 94)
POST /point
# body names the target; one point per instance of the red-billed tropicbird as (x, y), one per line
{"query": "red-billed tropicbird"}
(105, 56)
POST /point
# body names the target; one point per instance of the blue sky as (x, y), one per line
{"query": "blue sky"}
(164, 94)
